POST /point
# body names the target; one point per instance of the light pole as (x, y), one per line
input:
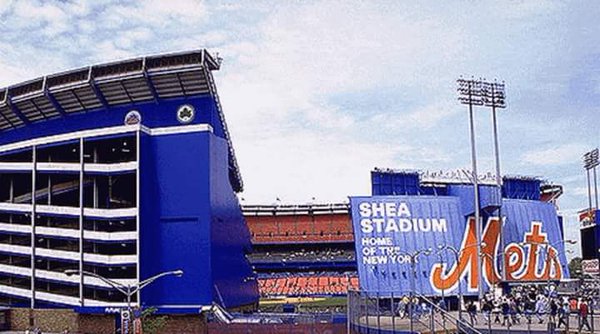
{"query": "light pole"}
(413, 263)
(477, 92)
(126, 289)
(495, 97)
(470, 93)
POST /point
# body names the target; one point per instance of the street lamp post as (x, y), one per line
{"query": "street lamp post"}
(413, 263)
(126, 289)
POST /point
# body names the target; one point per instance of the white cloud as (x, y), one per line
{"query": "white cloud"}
(289, 68)
(560, 155)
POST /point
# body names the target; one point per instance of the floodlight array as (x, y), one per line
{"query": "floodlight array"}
(478, 92)
(590, 159)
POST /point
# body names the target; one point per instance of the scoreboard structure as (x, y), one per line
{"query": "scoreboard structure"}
(124, 170)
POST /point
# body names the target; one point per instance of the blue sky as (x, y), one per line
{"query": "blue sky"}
(317, 93)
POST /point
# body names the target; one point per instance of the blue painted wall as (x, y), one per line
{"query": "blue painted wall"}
(175, 218)
(234, 281)
(191, 220)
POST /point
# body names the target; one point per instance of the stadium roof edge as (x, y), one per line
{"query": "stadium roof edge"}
(117, 83)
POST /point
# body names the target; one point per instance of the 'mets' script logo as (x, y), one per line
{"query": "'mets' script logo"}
(521, 261)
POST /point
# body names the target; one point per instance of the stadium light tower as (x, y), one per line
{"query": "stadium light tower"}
(494, 96)
(477, 92)
(590, 162)
(470, 92)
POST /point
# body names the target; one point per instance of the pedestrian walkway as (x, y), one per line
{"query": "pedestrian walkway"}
(388, 323)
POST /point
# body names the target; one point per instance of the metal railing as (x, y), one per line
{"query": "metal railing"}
(371, 312)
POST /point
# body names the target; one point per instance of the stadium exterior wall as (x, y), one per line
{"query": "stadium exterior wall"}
(185, 177)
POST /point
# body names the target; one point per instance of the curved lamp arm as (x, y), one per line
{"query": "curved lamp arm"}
(122, 288)
(147, 281)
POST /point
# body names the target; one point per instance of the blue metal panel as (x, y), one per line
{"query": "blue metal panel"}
(234, 281)
(384, 227)
(489, 197)
(393, 273)
(522, 215)
(520, 188)
(394, 183)
(175, 218)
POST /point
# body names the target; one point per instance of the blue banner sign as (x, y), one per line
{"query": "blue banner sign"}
(427, 244)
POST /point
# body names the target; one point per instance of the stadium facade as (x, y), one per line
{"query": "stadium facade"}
(428, 213)
(317, 249)
(125, 170)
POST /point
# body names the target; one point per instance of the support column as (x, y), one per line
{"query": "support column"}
(81, 220)
(137, 205)
(33, 186)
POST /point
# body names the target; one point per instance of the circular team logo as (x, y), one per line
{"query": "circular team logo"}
(185, 114)
(133, 117)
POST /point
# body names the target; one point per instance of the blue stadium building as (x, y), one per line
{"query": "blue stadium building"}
(124, 170)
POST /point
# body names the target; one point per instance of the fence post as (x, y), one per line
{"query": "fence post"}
(431, 320)
(591, 308)
(366, 297)
(348, 312)
(377, 295)
(411, 311)
(393, 313)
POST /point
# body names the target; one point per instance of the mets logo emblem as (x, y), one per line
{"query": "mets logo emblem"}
(185, 114)
(133, 117)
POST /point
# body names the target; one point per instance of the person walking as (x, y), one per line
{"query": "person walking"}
(563, 315)
(472, 311)
(401, 309)
(583, 315)
(505, 306)
(539, 309)
(496, 311)
(487, 310)
(515, 311)
(553, 311)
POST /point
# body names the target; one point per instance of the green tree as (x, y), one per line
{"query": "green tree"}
(151, 323)
(575, 267)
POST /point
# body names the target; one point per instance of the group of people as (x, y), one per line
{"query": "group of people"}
(523, 305)
(412, 309)
(531, 305)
